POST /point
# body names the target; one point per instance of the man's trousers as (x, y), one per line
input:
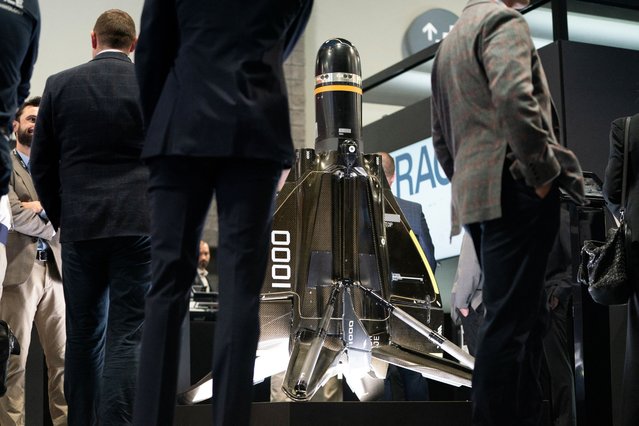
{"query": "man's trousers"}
(39, 301)
(181, 190)
(513, 252)
(105, 283)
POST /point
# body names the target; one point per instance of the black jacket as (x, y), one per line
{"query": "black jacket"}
(210, 77)
(85, 156)
(614, 173)
(19, 36)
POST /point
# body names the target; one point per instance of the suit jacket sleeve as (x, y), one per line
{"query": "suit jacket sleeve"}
(26, 221)
(156, 51)
(444, 156)
(5, 166)
(45, 159)
(26, 70)
(507, 55)
(297, 27)
(427, 242)
(613, 178)
(467, 277)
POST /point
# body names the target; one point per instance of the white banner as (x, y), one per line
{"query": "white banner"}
(419, 178)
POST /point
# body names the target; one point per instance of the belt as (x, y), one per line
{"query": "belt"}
(42, 255)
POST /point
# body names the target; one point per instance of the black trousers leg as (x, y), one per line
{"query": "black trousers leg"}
(180, 192)
(245, 200)
(630, 385)
(559, 362)
(513, 253)
(471, 324)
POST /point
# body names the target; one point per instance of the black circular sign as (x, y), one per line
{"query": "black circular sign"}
(427, 29)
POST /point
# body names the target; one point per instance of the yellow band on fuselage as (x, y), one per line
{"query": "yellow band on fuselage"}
(338, 88)
(425, 260)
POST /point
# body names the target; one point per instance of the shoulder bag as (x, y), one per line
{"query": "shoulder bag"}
(603, 266)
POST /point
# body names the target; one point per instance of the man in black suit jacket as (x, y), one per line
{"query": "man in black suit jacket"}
(402, 384)
(413, 212)
(86, 169)
(612, 186)
(215, 105)
(19, 37)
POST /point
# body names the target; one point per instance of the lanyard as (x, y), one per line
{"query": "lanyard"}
(15, 152)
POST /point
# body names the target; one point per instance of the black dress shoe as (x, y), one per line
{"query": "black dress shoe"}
(8, 346)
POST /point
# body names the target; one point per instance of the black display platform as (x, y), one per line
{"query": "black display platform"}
(432, 413)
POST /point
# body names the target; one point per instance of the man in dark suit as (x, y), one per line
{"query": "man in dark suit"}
(413, 212)
(86, 168)
(415, 217)
(19, 37)
(203, 282)
(214, 100)
(558, 347)
(612, 186)
(494, 137)
(402, 384)
(33, 292)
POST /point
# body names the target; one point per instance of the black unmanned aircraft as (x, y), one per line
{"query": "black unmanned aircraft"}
(348, 289)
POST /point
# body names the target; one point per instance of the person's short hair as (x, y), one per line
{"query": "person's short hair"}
(115, 29)
(388, 164)
(31, 102)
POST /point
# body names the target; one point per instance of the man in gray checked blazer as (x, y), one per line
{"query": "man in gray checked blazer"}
(494, 137)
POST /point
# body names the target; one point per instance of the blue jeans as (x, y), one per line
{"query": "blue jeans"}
(105, 284)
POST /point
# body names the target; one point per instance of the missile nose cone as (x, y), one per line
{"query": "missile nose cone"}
(338, 55)
(338, 95)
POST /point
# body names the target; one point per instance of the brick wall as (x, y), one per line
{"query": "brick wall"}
(296, 75)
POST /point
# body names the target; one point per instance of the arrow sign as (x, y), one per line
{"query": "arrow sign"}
(427, 29)
(430, 30)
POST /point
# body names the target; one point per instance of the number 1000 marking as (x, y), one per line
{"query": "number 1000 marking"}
(281, 258)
